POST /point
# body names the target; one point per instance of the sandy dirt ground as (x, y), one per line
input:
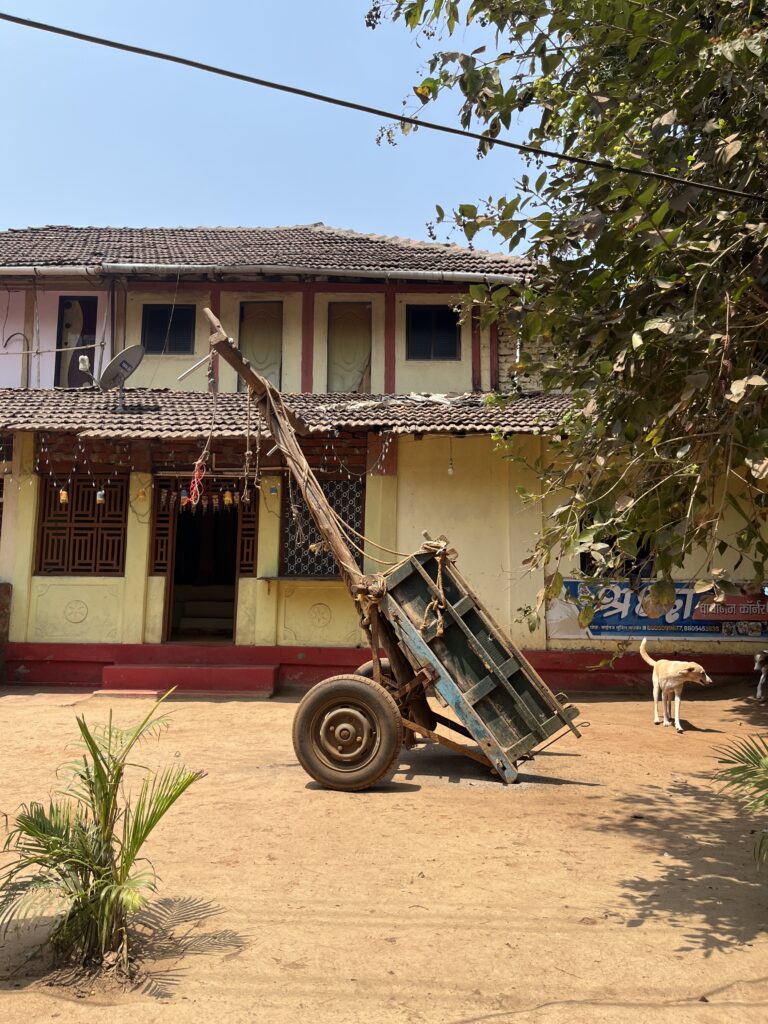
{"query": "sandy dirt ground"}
(613, 884)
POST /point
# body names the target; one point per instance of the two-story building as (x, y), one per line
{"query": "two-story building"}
(120, 577)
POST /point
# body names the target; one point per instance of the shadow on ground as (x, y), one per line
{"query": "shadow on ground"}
(163, 934)
(170, 929)
(700, 865)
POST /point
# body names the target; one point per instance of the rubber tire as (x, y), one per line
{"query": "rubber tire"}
(378, 704)
(366, 669)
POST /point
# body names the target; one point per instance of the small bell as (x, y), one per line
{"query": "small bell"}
(100, 497)
(184, 497)
(63, 496)
(236, 497)
(141, 494)
(228, 499)
(215, 502)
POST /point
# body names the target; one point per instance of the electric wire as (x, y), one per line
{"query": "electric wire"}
(213, 69)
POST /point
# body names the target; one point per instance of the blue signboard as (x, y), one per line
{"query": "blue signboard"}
(693, 616)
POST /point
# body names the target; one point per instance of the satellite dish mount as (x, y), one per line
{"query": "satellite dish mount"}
(119, 369)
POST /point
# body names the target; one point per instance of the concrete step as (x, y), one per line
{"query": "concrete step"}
(199, 624)
(210, 609)
(188, 592)
(256, 679)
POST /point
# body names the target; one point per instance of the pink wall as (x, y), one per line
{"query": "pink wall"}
(42, 368)
(11, 343)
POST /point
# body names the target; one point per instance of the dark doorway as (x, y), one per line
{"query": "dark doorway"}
(76, 336)
(204, 575)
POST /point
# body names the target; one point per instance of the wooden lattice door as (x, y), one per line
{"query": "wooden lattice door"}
(166, 511)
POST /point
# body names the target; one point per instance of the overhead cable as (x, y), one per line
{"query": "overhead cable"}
(603, 165)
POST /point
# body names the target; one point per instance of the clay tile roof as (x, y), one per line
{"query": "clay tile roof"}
(314, 248)
(183, 415)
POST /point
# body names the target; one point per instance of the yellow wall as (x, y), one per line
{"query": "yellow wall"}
(271, 611)
(476, 507)
(162, 371)
(478, 510)
(410, 375)
(23, 537)
(440, 375)
(79, 609)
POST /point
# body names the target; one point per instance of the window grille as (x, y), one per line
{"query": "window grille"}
(162, 525)
(299, 533)
(81, 537)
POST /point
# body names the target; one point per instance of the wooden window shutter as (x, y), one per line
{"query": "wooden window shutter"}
(82, 537)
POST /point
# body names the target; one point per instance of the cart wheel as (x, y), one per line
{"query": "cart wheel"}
(367, 669)
(347, 732)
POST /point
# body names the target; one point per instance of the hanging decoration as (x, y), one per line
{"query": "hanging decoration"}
(101, 496)
(228, 500)
(196, 486)
(249, 454)
(342, 466)
(184, 497)
(63, 496)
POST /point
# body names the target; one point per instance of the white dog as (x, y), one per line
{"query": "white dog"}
(761, 666)
(669, 677)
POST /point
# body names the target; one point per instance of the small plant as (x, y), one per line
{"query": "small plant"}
(745, 770)
(79, 856)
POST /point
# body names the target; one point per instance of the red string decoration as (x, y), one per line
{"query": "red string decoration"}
(196, 485)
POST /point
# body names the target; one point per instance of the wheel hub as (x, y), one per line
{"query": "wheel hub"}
(345, 734)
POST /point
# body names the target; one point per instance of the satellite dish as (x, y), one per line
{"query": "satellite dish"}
(120, 368)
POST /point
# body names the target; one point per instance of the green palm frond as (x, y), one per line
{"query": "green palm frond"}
(70, 857)
(155, 798)
(745, 771)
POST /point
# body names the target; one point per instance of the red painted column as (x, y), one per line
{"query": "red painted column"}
(476, 373)
(494, 357)
(307, 340)
(216, 310)
(390, 342)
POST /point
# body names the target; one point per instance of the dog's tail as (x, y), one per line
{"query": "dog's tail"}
(644, 653)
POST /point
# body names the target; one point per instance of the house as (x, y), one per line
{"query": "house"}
(119, 577)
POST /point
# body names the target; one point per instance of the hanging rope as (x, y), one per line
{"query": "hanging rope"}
(196, 485)
(437, 604)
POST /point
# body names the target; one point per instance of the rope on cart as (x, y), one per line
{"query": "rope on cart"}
(437, 604)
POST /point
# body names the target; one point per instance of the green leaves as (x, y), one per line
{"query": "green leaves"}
(659, 598)
(744, 771)
(73, 859)
(650, 305)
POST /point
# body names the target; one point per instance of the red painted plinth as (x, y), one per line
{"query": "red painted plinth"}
(225, 667)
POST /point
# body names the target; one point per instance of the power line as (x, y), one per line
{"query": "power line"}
(604, 165)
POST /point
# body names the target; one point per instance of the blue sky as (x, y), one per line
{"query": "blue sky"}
(93, 136)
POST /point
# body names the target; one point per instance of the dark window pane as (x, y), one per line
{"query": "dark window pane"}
(166, 328)
(432, 332)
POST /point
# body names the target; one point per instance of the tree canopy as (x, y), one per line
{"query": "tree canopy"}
(652, 302)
